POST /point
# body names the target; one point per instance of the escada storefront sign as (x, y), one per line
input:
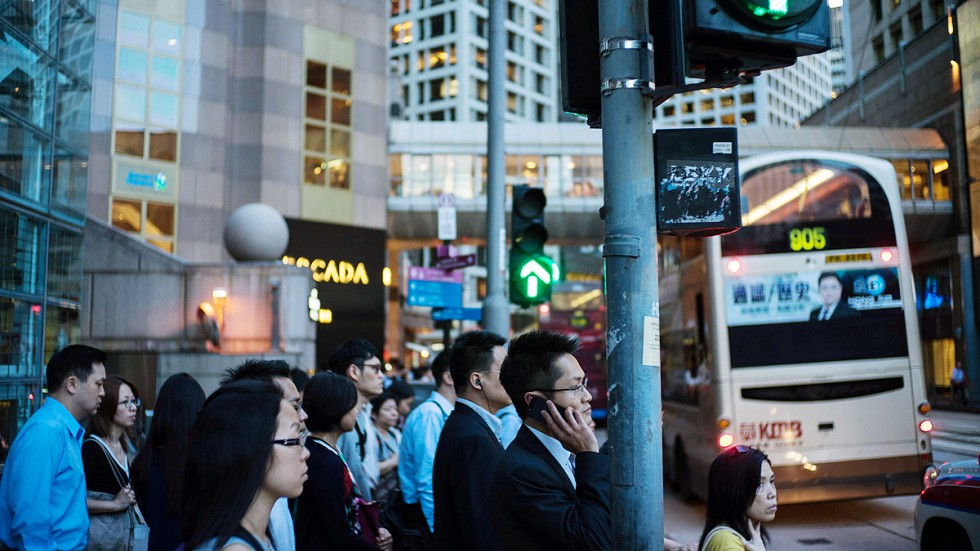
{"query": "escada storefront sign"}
(331, 271)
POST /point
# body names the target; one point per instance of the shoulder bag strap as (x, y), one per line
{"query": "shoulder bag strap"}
(117, 472)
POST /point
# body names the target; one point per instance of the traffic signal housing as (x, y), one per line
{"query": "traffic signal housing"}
(532, 273)
(718, 41)
(726, 37)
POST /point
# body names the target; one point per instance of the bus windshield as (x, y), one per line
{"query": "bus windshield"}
(816, 305)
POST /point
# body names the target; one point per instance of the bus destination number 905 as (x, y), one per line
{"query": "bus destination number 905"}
(807, 239)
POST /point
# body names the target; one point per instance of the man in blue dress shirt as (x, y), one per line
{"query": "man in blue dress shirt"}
(420, 437)
(42, 491)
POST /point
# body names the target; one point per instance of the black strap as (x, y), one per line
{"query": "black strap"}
(445, 414)
(361, 440)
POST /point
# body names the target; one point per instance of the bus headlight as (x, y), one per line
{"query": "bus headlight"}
(925, 425)
(725, 440)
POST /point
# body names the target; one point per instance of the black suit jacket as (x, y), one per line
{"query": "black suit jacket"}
(535, 507)
(843, 310)
(466, 456)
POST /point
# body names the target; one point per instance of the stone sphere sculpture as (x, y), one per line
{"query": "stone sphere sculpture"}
(256, 231)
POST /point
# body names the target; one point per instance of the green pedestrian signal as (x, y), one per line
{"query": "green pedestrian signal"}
(532, 273)
(531, 278)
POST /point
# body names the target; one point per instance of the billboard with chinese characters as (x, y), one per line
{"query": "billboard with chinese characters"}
(796, 296)
(803, 317)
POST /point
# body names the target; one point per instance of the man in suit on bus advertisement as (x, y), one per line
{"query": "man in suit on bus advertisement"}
(831, 289)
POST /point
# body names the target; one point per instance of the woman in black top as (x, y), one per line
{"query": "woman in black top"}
(326, 513)
(105, 451)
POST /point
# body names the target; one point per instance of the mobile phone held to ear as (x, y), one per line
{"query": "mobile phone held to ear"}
(534, 409)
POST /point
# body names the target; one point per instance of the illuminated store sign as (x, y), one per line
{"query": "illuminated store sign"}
(330, 270)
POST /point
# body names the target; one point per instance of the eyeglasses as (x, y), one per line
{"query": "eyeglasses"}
(376, 367)
(131, 404)
(578, 390)
(301, 441)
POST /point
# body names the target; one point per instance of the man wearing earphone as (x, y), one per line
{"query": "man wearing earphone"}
(469, 446)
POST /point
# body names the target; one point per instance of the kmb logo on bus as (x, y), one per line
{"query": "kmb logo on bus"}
(770, 430)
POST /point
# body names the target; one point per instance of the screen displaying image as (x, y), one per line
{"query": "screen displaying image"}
(804, 317)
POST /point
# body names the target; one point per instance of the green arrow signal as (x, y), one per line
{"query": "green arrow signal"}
(534, 268)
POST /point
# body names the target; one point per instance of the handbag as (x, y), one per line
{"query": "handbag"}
(369, 517)
(122, 530)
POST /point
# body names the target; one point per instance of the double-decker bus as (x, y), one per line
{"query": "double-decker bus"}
(798, 334)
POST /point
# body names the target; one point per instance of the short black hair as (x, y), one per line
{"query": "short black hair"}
(530, 363)
(439, 366)
(256, 370)
(299, 377)
(327, 399)
(400, 390)
(75, 359)
(354, 351)
(472, 353)
(825, 275)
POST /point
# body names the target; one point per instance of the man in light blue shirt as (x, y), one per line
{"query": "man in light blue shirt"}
(510, 423)
(357, 359)
(42, 491)
(420, 437)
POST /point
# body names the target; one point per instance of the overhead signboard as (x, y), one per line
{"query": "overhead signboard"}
(468, 314)
(435, 288)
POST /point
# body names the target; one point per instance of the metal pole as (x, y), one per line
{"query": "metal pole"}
(630, 252)
(496, 312)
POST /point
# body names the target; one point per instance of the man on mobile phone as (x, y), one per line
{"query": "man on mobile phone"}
(469, 446)
(551, 488)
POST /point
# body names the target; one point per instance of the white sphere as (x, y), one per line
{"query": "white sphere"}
(256, 231)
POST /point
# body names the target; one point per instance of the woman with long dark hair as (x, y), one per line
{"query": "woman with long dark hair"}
(245, 451)
(108, 441)
(326, 513)
(741, 497)
(157, 477)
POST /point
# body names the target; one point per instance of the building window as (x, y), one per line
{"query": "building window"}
(876, 10)
(915, 20)
(401, 33)
(539, 24)
(152, 221)
(327, 125)
(878, 46)
(147, 108)
(481, 58)
(896, 33)
(437, 25)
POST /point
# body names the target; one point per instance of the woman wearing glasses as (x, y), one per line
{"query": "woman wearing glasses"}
(244, 452)
(741, 496)
(105, 456)
(326, 513)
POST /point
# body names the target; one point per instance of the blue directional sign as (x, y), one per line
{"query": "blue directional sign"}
(439, 294)
(443, 314)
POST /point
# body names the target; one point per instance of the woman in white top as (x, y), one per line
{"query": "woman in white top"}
(105, 452)
(741, 496)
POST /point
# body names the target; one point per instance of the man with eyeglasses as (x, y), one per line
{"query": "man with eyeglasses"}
(551, 487)
(42, 491)
(357, 359)
(469, 445)
(278, 372)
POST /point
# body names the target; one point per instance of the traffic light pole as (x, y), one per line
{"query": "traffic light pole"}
(496, 310)
(630, 252)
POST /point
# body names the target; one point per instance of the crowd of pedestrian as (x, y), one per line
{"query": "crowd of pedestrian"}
(501, 455)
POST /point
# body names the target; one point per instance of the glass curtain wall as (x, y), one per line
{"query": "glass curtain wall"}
(45, 96)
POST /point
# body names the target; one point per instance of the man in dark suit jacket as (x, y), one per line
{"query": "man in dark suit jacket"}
(469, 446)
(551, 488)
(831, 290)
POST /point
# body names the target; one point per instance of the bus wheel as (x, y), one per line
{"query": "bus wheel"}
(682, 474)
